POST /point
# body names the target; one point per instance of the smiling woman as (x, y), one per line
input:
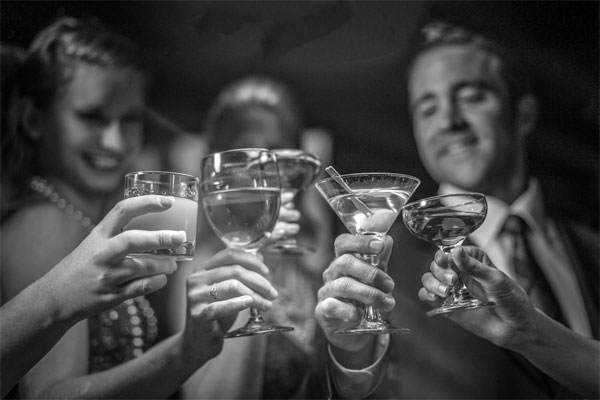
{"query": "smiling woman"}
(75, 125)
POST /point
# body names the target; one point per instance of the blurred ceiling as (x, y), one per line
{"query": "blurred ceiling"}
(346, 60)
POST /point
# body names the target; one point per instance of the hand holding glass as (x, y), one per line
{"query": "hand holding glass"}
(370, 209)
(241, 199)
(446, 221)
(182, 216)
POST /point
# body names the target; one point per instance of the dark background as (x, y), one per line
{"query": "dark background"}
(346, 61)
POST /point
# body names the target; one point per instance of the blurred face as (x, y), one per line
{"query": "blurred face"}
(93, 128)
(463, 122)
(256, 127)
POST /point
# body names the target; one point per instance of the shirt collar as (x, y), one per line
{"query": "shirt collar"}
(528, 205)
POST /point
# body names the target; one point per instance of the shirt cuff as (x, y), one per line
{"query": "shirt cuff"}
(359, 383)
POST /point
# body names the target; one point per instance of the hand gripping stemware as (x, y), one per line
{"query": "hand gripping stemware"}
(368, 204)
(241, 199)
(297, 170)
(446, 221)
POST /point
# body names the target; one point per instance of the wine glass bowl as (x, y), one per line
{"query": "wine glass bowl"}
(369, 209)
(446, 221)
(297, 170)
(241, 199)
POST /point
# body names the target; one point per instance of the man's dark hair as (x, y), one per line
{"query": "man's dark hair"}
(438, 34)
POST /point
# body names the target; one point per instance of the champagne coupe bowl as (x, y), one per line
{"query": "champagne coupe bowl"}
(446, 221)
(241, 199)
(297, 170)
(370, 209)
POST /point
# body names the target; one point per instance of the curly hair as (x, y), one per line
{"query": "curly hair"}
(47, 69)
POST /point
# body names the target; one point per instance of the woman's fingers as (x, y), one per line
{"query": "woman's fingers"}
(142, 286)
(131, 268)
(127, 209)
(234, 257)
(134, 241)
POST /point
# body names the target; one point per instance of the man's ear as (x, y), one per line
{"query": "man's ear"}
(526, 115)
(31, 119)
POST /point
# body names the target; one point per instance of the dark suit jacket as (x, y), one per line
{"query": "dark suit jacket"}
(438, 359)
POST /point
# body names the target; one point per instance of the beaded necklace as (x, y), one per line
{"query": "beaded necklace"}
(46, 189)
(121, 333)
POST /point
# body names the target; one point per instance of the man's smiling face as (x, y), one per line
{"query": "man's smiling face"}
(462, 118)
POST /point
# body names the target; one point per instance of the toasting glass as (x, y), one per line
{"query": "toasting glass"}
(368, 204)
(241, 199)
(446, 221)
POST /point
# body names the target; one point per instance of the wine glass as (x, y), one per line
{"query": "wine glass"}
(368, 205)
(446, 221)
(241, 199)
(297, 170)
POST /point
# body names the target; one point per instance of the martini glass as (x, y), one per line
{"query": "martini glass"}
(241, 199)
(297, 170)
(446, 221)
(368, 205)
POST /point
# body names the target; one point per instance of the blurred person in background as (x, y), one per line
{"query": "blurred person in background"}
(472, 111)
(75, 128)
(261, 111)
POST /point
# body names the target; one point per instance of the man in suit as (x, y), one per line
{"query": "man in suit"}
(472, 110)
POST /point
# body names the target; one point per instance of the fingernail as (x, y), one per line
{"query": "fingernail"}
(247, 301)
(167, 200)
(388, 285)
(376, 245)
(179, 237)
(443, 288)
(388, 302)
(450, 278)
(266, 304)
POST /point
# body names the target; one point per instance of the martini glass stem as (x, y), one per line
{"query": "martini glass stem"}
(370, 313)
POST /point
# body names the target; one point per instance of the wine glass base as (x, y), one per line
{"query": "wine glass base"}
(373, 328)
(251, 329)
(458, 306)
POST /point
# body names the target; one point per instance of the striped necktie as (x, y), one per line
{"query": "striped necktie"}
(528, 273)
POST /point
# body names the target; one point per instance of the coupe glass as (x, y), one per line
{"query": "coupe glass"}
(369, 209)
(241, 199)
(446, 221)
(297, 170)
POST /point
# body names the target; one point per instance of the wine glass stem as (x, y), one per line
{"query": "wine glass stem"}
(255, 315)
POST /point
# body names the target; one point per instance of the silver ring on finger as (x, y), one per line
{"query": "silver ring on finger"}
(213, 292)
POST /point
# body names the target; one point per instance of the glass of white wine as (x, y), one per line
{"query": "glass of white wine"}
(241, 199)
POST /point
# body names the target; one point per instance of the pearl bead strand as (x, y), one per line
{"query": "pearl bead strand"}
(41, 185)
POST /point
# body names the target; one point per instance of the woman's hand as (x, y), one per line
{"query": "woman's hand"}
(227, 283)
(98, 274)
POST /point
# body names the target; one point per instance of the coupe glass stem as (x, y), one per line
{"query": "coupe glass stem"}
(458, 292)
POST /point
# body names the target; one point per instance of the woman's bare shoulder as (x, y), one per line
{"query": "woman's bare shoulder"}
(33, 241)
